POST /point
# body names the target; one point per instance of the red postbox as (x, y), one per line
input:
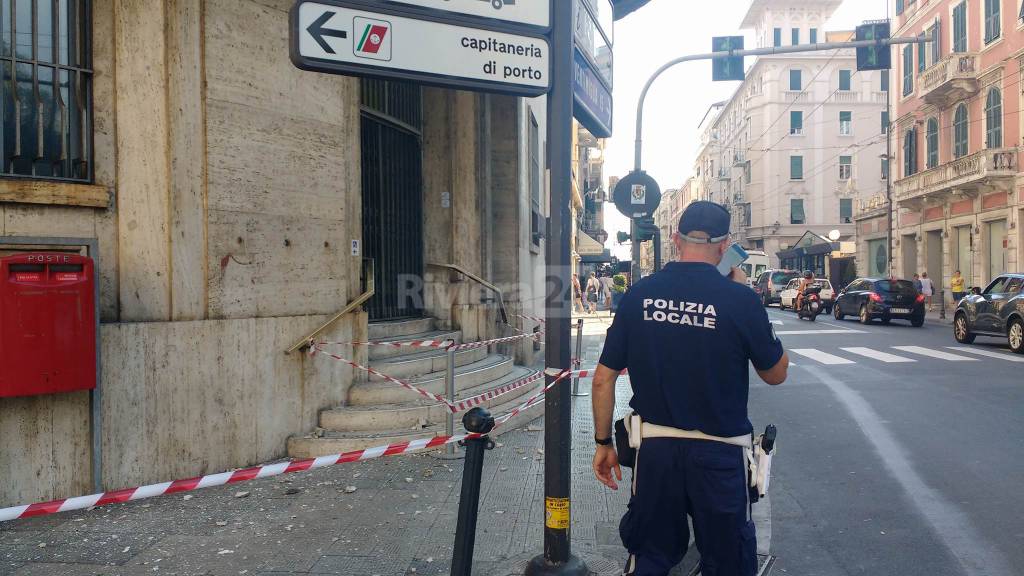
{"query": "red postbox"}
(47, 324)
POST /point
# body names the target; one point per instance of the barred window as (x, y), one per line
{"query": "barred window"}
(45, 95)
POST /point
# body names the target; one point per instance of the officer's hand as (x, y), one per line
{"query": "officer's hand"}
(605, 460)
(738, 275)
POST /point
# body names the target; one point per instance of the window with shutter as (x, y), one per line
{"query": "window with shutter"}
(960, 28)
(795, 80)
(796, 36)
(932, 143)
(845, 123)
(885, 122)
(922, 53)
(814, 33)
(796, 211)
(910, 153)
(992, 23)
(844, 80)
(796, 122)
(960, 132)
(846, 210)
(845, 167)
(796, 167)
(908, 70)
(994, 119)
(936, 34)
(778, 37)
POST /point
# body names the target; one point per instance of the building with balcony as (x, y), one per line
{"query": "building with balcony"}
(802, 141)
(956, 135)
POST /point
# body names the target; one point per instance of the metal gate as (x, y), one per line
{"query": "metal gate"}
(393, 196)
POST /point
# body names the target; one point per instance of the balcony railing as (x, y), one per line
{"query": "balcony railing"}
(796, 96)
(952, 79)
(969, 172)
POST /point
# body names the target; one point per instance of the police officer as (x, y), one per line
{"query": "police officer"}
(686, 335)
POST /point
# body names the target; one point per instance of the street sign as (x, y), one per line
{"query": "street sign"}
(729, 68)
(355, 39)
(593, 39)
(528, 12)
(592, 96)
(876, 57)
(637, 195)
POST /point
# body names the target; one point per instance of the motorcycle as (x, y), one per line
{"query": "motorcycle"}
(811, 305)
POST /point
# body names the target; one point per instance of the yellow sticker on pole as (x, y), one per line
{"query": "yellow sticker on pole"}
(556, 513)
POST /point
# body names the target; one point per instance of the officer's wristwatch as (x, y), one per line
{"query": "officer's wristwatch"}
(603, 442)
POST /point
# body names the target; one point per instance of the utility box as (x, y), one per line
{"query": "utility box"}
(47, 324)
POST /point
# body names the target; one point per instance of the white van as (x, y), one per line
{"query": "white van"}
(755, 265)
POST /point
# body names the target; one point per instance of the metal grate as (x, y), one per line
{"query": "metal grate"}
(393, 197)
(45, 89)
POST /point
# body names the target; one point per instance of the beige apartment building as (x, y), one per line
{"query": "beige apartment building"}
(957, 192)
(800, 143)
(234, 205)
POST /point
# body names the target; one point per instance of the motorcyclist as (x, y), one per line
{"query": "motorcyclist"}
(806, 281)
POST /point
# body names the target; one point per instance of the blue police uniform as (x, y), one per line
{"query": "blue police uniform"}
(687, 335)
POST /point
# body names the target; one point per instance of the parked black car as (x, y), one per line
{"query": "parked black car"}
(998, 311)
(883, 298)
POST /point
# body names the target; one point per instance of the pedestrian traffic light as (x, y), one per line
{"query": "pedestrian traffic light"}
(874, 57)
(730, 67)
(645, 229)
(623, 237)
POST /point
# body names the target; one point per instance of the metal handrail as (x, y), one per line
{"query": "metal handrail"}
(353, 305)
(480, 281)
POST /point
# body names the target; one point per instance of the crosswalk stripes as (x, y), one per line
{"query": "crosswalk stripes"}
(935, 353)
(878, 355)
(823, 357)
(988, 353)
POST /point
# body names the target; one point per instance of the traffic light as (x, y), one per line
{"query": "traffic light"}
(645, 229)
(728, 68)
(874, 57)
(623, 237)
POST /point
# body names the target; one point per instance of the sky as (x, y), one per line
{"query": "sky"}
(661, 31)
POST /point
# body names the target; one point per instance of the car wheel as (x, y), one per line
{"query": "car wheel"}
(961, 331)
(837, 312)
(1015, 336)
(917, 321)
(865, 318)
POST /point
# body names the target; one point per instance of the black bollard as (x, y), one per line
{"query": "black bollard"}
(480, 421)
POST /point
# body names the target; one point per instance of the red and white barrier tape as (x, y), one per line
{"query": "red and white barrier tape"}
(408, 344)
(453, 407)
(472, 345)
(256, 472)
(534, 318)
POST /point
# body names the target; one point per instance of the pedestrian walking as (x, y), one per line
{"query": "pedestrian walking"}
(593, 290)
(917, 283)
(687, 335)
(606, 291)
(577, 295)
(958, 285)
(927, 289)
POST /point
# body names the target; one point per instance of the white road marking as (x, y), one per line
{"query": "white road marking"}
(806, 332)
(989, 353)
(777, 322)
(935, 353)
(878, 355)
(823, 357)
(971, 550)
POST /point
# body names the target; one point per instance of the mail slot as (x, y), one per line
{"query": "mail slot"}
(47, 324)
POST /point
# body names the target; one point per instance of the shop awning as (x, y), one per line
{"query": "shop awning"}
(587, 246)
(603, 258)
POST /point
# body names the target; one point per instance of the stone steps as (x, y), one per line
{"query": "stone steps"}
(472, 375)
(419, 412)
(334, 442)
(413, 365)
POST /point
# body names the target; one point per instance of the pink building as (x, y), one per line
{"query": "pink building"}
(956, 135)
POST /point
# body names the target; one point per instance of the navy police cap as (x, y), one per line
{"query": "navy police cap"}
(708, 217)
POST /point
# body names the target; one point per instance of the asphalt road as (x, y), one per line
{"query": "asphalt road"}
(900, 451)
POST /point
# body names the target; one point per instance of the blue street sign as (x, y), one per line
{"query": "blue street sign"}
(592, 96)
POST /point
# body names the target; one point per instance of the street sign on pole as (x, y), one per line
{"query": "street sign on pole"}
(530, 13)
(592, 96)
(727, 68)
(874, 57)
(637, 195)
(356, 39)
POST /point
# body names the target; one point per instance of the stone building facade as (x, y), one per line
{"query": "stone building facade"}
(236, 203)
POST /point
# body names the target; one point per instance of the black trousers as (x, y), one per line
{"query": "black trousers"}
(707, 481)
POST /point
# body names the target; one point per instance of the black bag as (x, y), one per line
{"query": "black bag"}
(626, 453)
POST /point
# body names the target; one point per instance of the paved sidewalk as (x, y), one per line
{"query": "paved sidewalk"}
(400, 520)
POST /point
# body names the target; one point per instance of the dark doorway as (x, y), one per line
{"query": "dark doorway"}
(391, 122)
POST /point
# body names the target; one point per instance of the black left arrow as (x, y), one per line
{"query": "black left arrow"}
(317, 31)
